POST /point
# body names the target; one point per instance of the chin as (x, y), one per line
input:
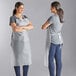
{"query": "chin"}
(21, 12)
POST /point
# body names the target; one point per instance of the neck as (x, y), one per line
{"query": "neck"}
(55, 12)
(19, 15)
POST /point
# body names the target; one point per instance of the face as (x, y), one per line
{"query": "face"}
(20, 9)
(53, 10)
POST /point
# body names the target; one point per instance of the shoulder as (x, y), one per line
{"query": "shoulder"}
(26, 18)
(50, 18)
(53, 16)
(12, 17)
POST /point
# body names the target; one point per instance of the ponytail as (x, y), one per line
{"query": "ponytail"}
(14, 12)
(60, 14)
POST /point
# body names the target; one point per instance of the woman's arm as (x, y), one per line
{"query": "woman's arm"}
(45, 25)
(28, 27)
(16, 28)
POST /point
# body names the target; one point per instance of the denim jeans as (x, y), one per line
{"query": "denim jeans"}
(55, 53)
(25, 70)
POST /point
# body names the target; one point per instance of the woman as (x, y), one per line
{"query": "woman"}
(54, 25)
(20, 43)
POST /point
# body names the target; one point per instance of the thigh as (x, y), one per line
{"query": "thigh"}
(58, 53)
(52, 50)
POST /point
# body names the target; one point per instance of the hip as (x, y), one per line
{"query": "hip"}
(21, 37)
(57, 39)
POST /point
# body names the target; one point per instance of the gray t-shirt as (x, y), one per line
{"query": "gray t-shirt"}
(20, 22)
(55, 29)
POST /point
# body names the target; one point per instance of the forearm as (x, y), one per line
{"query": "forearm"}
(28, 27)
(21, 28)
(18, 29)
(45, 26)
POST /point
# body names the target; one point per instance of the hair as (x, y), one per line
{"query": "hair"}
(60, 11)
(17, 5)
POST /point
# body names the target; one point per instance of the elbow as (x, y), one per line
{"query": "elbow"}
(43, 28)
(15, 29)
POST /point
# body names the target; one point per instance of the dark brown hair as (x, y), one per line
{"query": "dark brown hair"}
(60, 11)
(17, 5)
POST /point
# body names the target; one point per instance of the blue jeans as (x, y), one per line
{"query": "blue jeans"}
(55, 52)
(25, 70)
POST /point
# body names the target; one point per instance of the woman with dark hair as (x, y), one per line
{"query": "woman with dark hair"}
(20, 43)
(54, 25)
